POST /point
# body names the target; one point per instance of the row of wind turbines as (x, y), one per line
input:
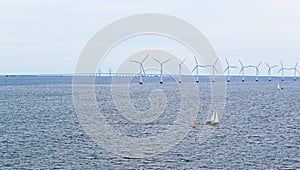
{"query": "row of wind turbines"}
(214, 70)
(270, 67)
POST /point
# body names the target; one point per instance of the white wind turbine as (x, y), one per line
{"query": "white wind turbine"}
(180, 67)
(295, 71)
(142, 70)
(256, 70)
(161, 68)
(242, 70)
(213, 69)
(197, 69)
(269, 70)
(282, 71)
(228, 70)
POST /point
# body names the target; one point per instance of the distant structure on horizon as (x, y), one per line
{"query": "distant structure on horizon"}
(142, 72)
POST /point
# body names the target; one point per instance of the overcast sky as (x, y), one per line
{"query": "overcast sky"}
(47, 36)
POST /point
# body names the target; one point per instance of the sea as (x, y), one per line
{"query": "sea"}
(40, 129)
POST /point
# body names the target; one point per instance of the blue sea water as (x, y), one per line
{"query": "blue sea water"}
(39, 129)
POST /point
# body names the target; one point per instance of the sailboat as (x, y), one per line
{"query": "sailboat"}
(279, 87)
(213, 120)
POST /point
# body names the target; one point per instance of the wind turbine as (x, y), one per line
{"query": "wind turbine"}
(256, 70)
(295, 71)
(282, 71)
(142, 70)
(242, 70)
(161, 68)
(228, 70)
(180, 66)
(269, 70)
(197, 69)
(213, 69)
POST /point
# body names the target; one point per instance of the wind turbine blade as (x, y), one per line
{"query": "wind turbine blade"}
(196, 60)
(274, 66)
(183, 61)
(145, 58)
(216, 61)
(194, 68)
(215, 69)
(233, 66)
(280, 70)
(241, 70)
(157, 60)
(281, 64)
(259, 64)
(267, 64)
(166, 61)
(296, 64)
(134, 61)
(269, 70)
(241, 63)
(227, 61)
(143, 69)
(226, 69)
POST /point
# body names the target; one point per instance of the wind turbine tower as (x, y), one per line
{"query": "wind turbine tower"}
(213, 69)
(161, 68)
(142, 70)
(180, 67)
(228, 70)
(197, 69)
(256, 70)
(282, 71)
(269, 70)
(295, 71)
(243, 70)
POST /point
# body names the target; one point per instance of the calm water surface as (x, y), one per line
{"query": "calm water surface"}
(260, 128)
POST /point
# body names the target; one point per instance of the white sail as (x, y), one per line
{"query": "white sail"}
(212, 117)
(216, 119)
(279, 87)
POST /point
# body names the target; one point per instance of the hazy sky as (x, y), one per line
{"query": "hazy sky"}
(47, 36)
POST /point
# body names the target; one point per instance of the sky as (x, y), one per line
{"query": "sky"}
(47, 36)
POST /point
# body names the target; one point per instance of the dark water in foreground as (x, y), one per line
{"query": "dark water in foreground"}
(260, 128)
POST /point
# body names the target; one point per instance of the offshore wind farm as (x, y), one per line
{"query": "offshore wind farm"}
(282, 71)
(149, 84)
(259, 123)
(195, 71)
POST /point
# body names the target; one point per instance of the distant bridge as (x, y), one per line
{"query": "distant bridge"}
(104, 75)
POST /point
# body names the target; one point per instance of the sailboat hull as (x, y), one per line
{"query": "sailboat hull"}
(211, 123)
(208, 122)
